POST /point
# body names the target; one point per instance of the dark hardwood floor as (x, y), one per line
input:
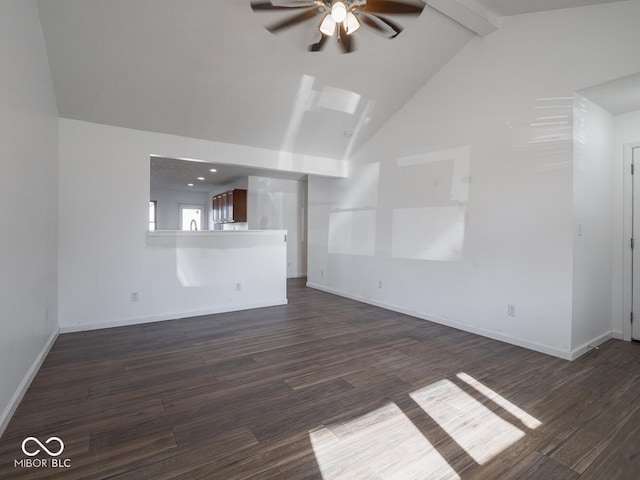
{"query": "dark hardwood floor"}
(324, 388)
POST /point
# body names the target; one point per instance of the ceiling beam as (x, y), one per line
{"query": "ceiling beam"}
(469, 14)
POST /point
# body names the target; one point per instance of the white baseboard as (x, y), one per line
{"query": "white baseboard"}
(591, 344)
(165, 317)
(297, 275)
(617, 335)
(556, 352)
(26, 381)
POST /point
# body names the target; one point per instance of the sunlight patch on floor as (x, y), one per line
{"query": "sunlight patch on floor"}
(524, 417)
(478, 430)
(383, 444)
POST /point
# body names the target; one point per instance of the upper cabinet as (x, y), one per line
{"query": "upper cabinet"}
(230, 207)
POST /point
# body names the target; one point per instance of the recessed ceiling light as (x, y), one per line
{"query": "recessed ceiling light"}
(200, 178)
(213, 170)
(189, 184)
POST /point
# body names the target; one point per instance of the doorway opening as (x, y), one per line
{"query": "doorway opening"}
(635, 253)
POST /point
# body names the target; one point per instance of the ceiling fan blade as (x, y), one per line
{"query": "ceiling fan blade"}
(319, 45)
(346, 42)
(396, 29)
(296, 19)
(292, 3)
(262, 6)
(380, 26)
(393, 7)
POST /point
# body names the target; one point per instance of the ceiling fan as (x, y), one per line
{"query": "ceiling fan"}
(342, 16)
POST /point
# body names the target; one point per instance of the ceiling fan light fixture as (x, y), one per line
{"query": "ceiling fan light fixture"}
(328, 25)
(340, 17)
(351, 23)
(338, 11)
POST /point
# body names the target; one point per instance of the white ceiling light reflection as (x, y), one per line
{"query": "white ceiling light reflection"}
(352, 232)
(549, 132)
(460, 177)
(305, 89)
(352, 224)
(359, 191)
(199, 265)
(553, 102)
(363, 121)
(383, 444)
(337, 99)
(429, 233)
(478, 430)
(434, 233)
(309, 100)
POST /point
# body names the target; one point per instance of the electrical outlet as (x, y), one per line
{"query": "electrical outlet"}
(380, 284)
(322, 273)
(134, 296)
(238, 287)
(511, 310)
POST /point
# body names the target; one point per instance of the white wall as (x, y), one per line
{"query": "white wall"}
(464, 200)
(274, 203)
(105, 240)
(28, 192)
(627, 133)
(167, 207)
(593, 165)
(196, 273)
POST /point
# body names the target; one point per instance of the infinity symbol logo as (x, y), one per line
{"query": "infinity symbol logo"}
(42, 446)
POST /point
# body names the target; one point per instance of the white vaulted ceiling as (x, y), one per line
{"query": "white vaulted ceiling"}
(505, 8)
(209, 69)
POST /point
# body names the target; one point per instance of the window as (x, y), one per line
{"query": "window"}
(152, 215)
(191, 217)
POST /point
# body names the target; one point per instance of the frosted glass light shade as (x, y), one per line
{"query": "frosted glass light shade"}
(338, 11)
(328, 25)
(351, 23)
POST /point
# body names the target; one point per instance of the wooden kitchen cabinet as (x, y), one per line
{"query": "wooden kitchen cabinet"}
(230, 207)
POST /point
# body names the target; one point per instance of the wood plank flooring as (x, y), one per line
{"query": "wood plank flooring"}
(324, 388)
